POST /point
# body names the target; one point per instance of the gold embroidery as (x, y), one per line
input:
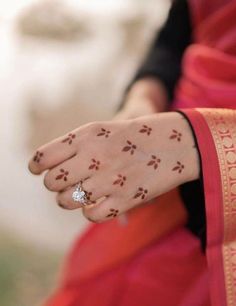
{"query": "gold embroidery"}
(222, 124)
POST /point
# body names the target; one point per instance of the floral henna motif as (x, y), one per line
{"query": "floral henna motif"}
(37, 157)
(120, 180)
(88, 196)
(69, 138)
(63, 175)
(142, 193)
(113, 213)
(154, 162)
(179, 167)
(176, 135)
(104, 133)
(145, 129)
(95, 164)
(130, 147)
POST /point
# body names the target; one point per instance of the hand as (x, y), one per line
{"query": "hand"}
(121, 164)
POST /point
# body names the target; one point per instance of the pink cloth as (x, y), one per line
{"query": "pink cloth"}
(169, 272)
(209, 65)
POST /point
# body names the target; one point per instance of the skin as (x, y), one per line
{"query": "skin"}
(125, 162)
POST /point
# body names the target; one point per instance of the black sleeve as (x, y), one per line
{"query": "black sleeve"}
(164, 57)
(192, 194)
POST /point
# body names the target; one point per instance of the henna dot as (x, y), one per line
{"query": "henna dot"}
(113, 213)
(179, 167)
(176, 135)
(130, 147)
(69, 138)
(141, 193)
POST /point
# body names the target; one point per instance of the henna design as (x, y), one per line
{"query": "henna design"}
(154, 162)
(141, 193)
(88, 196)
(95, 164)
(69, 138)
(120, 181)
(176, 135)
(63, 175)
(146, 130)
(104, 132)
(37, 157)
(131, 147)
(179, 167)
(113, 213)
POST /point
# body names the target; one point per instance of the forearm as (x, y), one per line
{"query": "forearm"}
(145, 97)
(150, 89)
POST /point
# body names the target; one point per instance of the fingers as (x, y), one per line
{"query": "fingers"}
(106, 195)
(67, 174)
(65, 200)
(53, 153)
(109, 208)
(104, 208)
(90, 186)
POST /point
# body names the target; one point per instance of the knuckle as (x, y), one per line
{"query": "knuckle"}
(91, 126)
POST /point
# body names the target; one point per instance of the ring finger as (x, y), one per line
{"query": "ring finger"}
(94, 192)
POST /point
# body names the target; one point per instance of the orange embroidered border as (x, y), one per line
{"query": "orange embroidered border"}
(222, 124)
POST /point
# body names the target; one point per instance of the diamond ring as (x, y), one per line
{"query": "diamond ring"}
(80, 195)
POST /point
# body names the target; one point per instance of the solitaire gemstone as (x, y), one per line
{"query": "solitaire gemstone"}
(79, 196)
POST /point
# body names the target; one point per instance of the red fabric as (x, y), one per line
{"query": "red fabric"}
(209, 65)
(147, 279)
(128, 265)
(122, 244)
(209, 80)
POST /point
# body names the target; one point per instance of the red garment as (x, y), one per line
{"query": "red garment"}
(209, 64)
(127, 266)
(145, 263)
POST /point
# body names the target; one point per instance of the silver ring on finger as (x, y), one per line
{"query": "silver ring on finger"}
(80, 195)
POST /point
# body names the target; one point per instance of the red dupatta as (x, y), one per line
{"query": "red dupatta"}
(104, 255)
(209, 80)
(209, 64)
(216, 136)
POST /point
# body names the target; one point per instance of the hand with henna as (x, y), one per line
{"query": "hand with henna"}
(121, 163)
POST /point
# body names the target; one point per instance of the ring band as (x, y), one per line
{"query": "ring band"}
(80, 195)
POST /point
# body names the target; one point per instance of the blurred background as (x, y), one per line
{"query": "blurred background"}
(62, 63)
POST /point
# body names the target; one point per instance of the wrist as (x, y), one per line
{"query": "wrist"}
(180, 145)
(190, 151)
(148, 89)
